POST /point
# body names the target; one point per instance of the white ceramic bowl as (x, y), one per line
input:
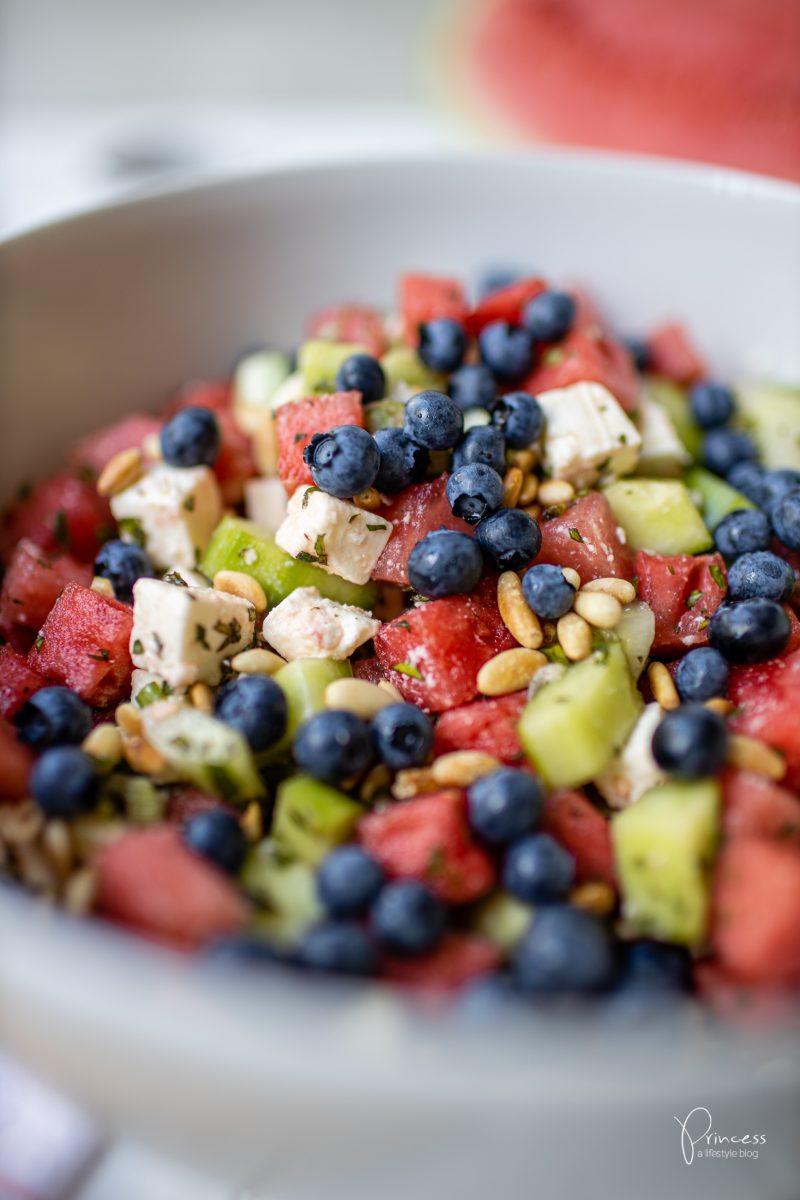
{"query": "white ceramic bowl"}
(313, 1089)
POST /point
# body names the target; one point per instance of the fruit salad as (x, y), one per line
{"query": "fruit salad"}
(458, 650)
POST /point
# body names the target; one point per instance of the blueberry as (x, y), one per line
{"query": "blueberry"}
(750, 631)
(362, 373)
(344, 461)
(504, 805)
(348, 881)
(507, 350)
(217, 836)
(536, 868)
(760, 574)
(547, 591)
(433, 420)
(690, 742)
(491, 997)
(482, 444)
(777, 484)
(64, 782)
(657, 966)
(786, 519)
(494, 279)
(639, 351)
(442, 344)
(54, 716)
(565, 949)
(509, 538)
(122, 563)
(549, 316)
(711, 404)
(472, 386)
(749, 478)
(701, 674)
(340, 946)
(256, 707)
(445, 563)
(520, 417)
(742, 531)
(191, 438)
(408, 918)
(474, 491)
(723, 449)
(242, 949)
(333, 745)
(402, 462)
(403, 736)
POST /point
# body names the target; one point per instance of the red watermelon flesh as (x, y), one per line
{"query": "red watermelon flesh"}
(187, 802)
(16, 761)
(489, 725)
(757, 807)
(18, 682)
(296, 423)
(585, 536)
(61, 513)
(355, 323)
(684, 591)
(755, 930)
(91, 453)
(83, 644)
(506, 304)
(369, 669)
(414, 512)
(582, 829)
(587, 354)
(671, 353)
(426, 297)
(460, 958)
(32, 584)
(767, 696)
(216, 394)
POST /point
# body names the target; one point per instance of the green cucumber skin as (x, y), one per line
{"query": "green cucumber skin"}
(311, 818)
(658, 515)
(717, 497)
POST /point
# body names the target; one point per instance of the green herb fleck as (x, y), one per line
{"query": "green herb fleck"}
(703, 624)
(298, 437)
(375, 528)
(221, 781)
(201, 636)
(405, 668)
(230, 631)
(719, 579)
(137, 647)
(132, 530)
(151, 692)
(305, 556)
(175, 578)
(86, 474)
(693, 597)
(307, 493)
(319, 548)
(189, 503)
(60, 529)
(623, 437)
(670, 568)
(39, 642)
(436, 864)
(354, 517)
(575, 534)
(402, 625)
(101, 656)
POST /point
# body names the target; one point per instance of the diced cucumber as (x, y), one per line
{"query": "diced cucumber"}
(475, 417)
(662, 453)
(284, 887)
(658, 515)
(717, 498)
(256, 380)
(239, 545)
(303, 682)
(384, 414)
(401, 364)
(573, 727)
(204, 751)
(311, 818)
(502, 919)
(664, 846)
(636, 630)
(141, 800)
(319, 362)
(772, 415)
(675, 401)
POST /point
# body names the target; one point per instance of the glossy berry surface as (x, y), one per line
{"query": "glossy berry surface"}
(344, 461)
(255, 706)
(483, 444)
(403, 462)
(760, 574)
(472, 386)
(519, 415)
(564, 949)
(657, 966)
(750, 631)
(742, 532)
(445, 563)
(433, 420)
(547, 591)
(749, 478)
(786, 519)
(690, 742)
(549, 316)
(408, 918)
(122, 563)
(509, 539)
(333, 745)
(64, 782)
(474, 491)
(711, 404)
(342, 947)
(217, 836)
(191, 438)
(701, 674)
(362, 373)
(504, 805)
(54, 716)
(537, 868)
(723, 449)
(348, 881)
(442, 344)
(777, 484)
(403, 736)
(507, 350)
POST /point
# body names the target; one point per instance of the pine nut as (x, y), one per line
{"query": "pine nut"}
(129, 718)
(462, 767)
(151, 447)
(512, 486)
(370, 499)
(595, 897)
(35, 870)
(599, 609)
(80, 891)
(104, 744)
(20, 823)
(574, 636)
(662, 686)
(201, 697)
(748, 754)
(57, 846)
(528, 491)
(121, 472)
(572, 576)
(621, 589)
(376, 781)
(555, 491)
(252, 822)
(534, 511)
(103, 587)
(549, 633)
(257, 662)
(520, 621)
(358, 696)
(509, 671)
(237, 583)
(144, 758)
(720, 705)
(524, 459)
(414, 781)
(391, 690)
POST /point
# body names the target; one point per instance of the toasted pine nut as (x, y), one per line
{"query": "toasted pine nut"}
(528, 491)
(377, 780)
(257, 662)
(103, 587)
(391, 690)
(151, 447)
(555, 491)
(509, 671)
(749, 754)
(57, 845)
(534, 511)
(622, 589)
(129, 719)
(370, 499)
(575, 636)
(460, 768)
(720, 705)
(662, 686)
(79, 891)
(512, 487)
(104, 743)
(34, 868)
(201, 697)
(121, 472)
(599, 609)
(144, 758)
(358, 696)
(549, 633)
(237, 583)
(520, 621)
(414, 781)
(20, 823)
(571, 576)
(252, 822)
(594, 897)
(524, 459)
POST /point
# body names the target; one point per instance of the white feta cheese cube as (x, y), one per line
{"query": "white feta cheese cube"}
(633, 771)
(175, 508)
(161, 690)
(587, 434)
(662, 452)
(265, 503)
(305, 625)
(343, 539)
(183, 634)
(186, 577)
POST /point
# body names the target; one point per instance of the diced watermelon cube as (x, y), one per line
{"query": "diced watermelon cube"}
(766, 694)
(582, 829)
(84, 643)
(18, 682)
(91, 453)
(433, 653)
(755, 930)
(414, 512)
(585, 536)
(424, 297)
(460, 958)
(757, 807)
(671, 352)
(148, 879)
(60, 513)
(506, 304)
(489, 725)
(369, 669)
(355, 323)
(32, 584)
(216, 394)
(16, 761)
(236, 462)
(684, 591)
(587, 354)
(295, 424)
(428, 839)
(742, 1004)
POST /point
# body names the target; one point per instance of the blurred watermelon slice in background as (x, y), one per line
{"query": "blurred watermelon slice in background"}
(711, 80)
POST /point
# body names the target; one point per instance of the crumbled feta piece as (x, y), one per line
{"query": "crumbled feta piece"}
(176, 509)
(305, 625)
(587, 434)
(662, 452)
(182, 634)
(633, 771)
(265, 503)
(186, 577)
(343, 539)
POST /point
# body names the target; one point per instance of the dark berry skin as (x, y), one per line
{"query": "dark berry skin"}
(54, 716)
(509, 539)
(547, 591)
(256, 707)
(338, 946)
(786, 519)
(701, 674)
(408, 918)
(537, 868)
(777, 484)
(639, 352)
(445, 563)
(504, 805)
(507, 350)
(348, 881)
(433, 420)
(403, 462)
(472, 386)
(442, 344)
(565, 949)
(333, 746)
(711, 404)
(723, 449)
(344, 461)
(217, 836)
(519, 415)
(362, 373)
(549, 316)
(474, 491)
(191, 438)
(742, 532)
(122, 563)
(749, 478)
(482, 444)
(749, 632)
(657, 966)
(760, 574)
(64, 782)
(690, 742)
(403, 736)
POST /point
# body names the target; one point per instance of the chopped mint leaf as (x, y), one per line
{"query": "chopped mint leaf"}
(374, 528)
(131, 530)
(101, 656)
(151, 692)
(231, 632)
(319, 547)
(60, 531)
(189, 503)
(175, 578)
(405, 668)
(304, 556)
(402, 625)
(575, 534)
(693, 597)
(201, 636)
(719, 579)
(307, 493)
(298, 437)
(354, 517)
(137, 647)
(39, 642)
